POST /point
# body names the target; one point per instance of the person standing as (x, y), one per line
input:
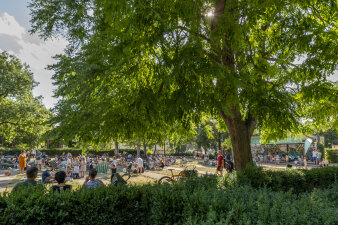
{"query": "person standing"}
(33, 153)
(83, 166)
(314, 156)
(287, 159)
(22, 162)
(38, 159)
(139, 162)
(319, 157)
(220, 163)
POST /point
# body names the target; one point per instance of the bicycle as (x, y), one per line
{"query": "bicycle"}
(127, 172)
(184, 174)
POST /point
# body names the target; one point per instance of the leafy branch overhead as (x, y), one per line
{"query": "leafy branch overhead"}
(134, 67)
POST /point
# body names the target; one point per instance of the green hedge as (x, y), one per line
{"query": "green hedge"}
(196, 201)
(298, 181)
(331, 155)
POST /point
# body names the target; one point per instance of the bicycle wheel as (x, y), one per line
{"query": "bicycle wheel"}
(126, 176)
(165, 180)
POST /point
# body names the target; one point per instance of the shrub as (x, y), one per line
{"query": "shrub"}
(296, 180)
(149, 152)
(331, 155)
(196, 201)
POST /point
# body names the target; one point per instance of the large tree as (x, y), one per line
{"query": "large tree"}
(134, 65)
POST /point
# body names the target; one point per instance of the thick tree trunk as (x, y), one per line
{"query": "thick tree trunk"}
(240, 133)
(116, 147)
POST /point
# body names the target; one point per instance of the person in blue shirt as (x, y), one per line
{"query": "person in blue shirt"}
(47, 176)
(38, 160)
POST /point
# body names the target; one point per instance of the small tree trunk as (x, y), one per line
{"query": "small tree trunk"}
(240, 134)
(164, 148)
(138, 149)
(219, 141)
(205, 151)
(116, 148)
(145, 147)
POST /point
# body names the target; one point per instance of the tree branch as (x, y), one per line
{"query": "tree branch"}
(276, 60)
(7, 122)
(195, 33)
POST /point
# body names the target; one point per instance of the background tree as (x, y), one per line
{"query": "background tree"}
(331, 137)
(209, 135)
(136, 65)
(22, 116)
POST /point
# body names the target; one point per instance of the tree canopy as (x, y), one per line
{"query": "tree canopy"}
(134, 66)
(22, 116)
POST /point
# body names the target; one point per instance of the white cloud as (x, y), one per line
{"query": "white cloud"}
(37, 53)
(9, 26)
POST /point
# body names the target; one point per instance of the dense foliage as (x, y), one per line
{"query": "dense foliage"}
(74, 152)
(136, 66)
(195, 201)
(331, 137)
(331, 155)
(22, 116)
(297, 181)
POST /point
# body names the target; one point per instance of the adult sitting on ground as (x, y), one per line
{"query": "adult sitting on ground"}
(32, 174)
(60, 177)
(47, 176)
(91, 182)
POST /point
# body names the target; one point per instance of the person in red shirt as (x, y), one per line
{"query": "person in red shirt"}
(220, 163)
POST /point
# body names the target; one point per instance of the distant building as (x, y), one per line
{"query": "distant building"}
(51, 143)
(284, 145)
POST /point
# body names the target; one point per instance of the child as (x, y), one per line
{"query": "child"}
(69, 174)
(76, 171)
(8, 172)
(305, 163)
(277, 159)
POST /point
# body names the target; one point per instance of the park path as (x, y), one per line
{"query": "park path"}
(153, 175)
(5, 181)
(157, 176)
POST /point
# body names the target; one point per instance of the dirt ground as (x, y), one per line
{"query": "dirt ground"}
(8, 182)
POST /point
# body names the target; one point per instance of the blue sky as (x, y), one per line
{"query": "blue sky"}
(30, 49)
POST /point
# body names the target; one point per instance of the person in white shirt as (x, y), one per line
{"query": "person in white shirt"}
(114, 161)
(69, 161)
(314, 156)
(33, 153)
(139, 162)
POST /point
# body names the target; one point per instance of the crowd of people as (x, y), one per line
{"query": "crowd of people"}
(276, 156)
